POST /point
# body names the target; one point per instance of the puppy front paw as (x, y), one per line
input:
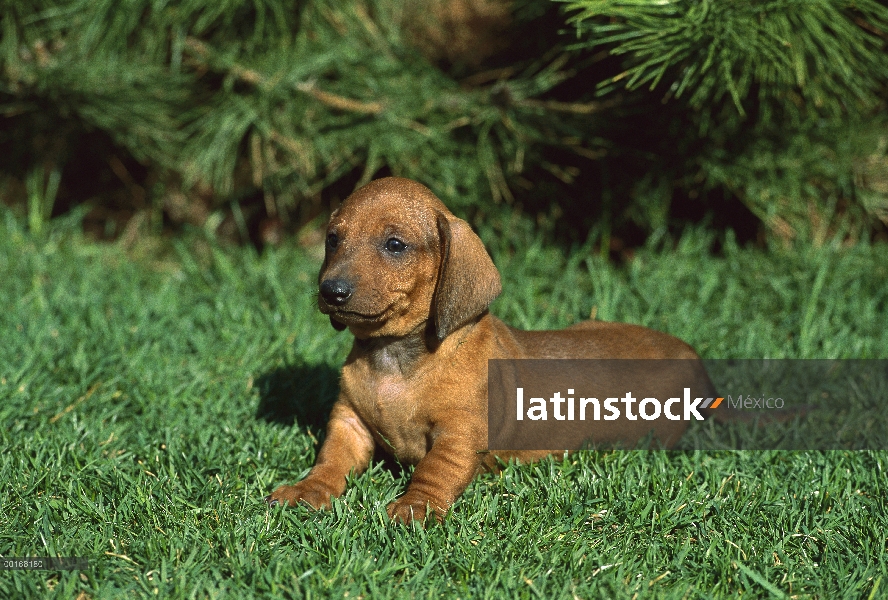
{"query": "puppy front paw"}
(315, 494)
(415, 507)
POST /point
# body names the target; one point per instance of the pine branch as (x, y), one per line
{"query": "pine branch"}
(830, 54)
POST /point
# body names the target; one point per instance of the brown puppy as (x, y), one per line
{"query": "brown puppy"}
(412, 283)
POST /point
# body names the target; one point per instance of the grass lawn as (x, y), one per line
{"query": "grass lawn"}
(149, 399)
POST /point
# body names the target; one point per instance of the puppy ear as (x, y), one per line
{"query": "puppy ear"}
(337, 325)
(467, 279)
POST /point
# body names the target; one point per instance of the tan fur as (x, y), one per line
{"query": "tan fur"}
(415, 382)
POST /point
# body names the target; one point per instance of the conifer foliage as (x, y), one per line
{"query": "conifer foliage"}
(607, 111)
(786, 98)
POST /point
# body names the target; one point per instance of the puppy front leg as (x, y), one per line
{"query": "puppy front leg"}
(439, 479)
(348, 447)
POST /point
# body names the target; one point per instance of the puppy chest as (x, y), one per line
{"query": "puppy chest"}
(396, 419)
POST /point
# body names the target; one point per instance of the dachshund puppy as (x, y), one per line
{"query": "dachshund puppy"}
(412, 283)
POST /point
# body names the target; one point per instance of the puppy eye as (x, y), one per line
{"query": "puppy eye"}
(332, 241)
(395, 245)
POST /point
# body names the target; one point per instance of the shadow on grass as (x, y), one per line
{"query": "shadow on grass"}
(301, 393)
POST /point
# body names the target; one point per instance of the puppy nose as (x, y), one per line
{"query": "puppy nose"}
(336, 291)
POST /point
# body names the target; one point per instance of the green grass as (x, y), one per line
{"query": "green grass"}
(147, 402)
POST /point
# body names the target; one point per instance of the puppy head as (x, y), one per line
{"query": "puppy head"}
(396, 259)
